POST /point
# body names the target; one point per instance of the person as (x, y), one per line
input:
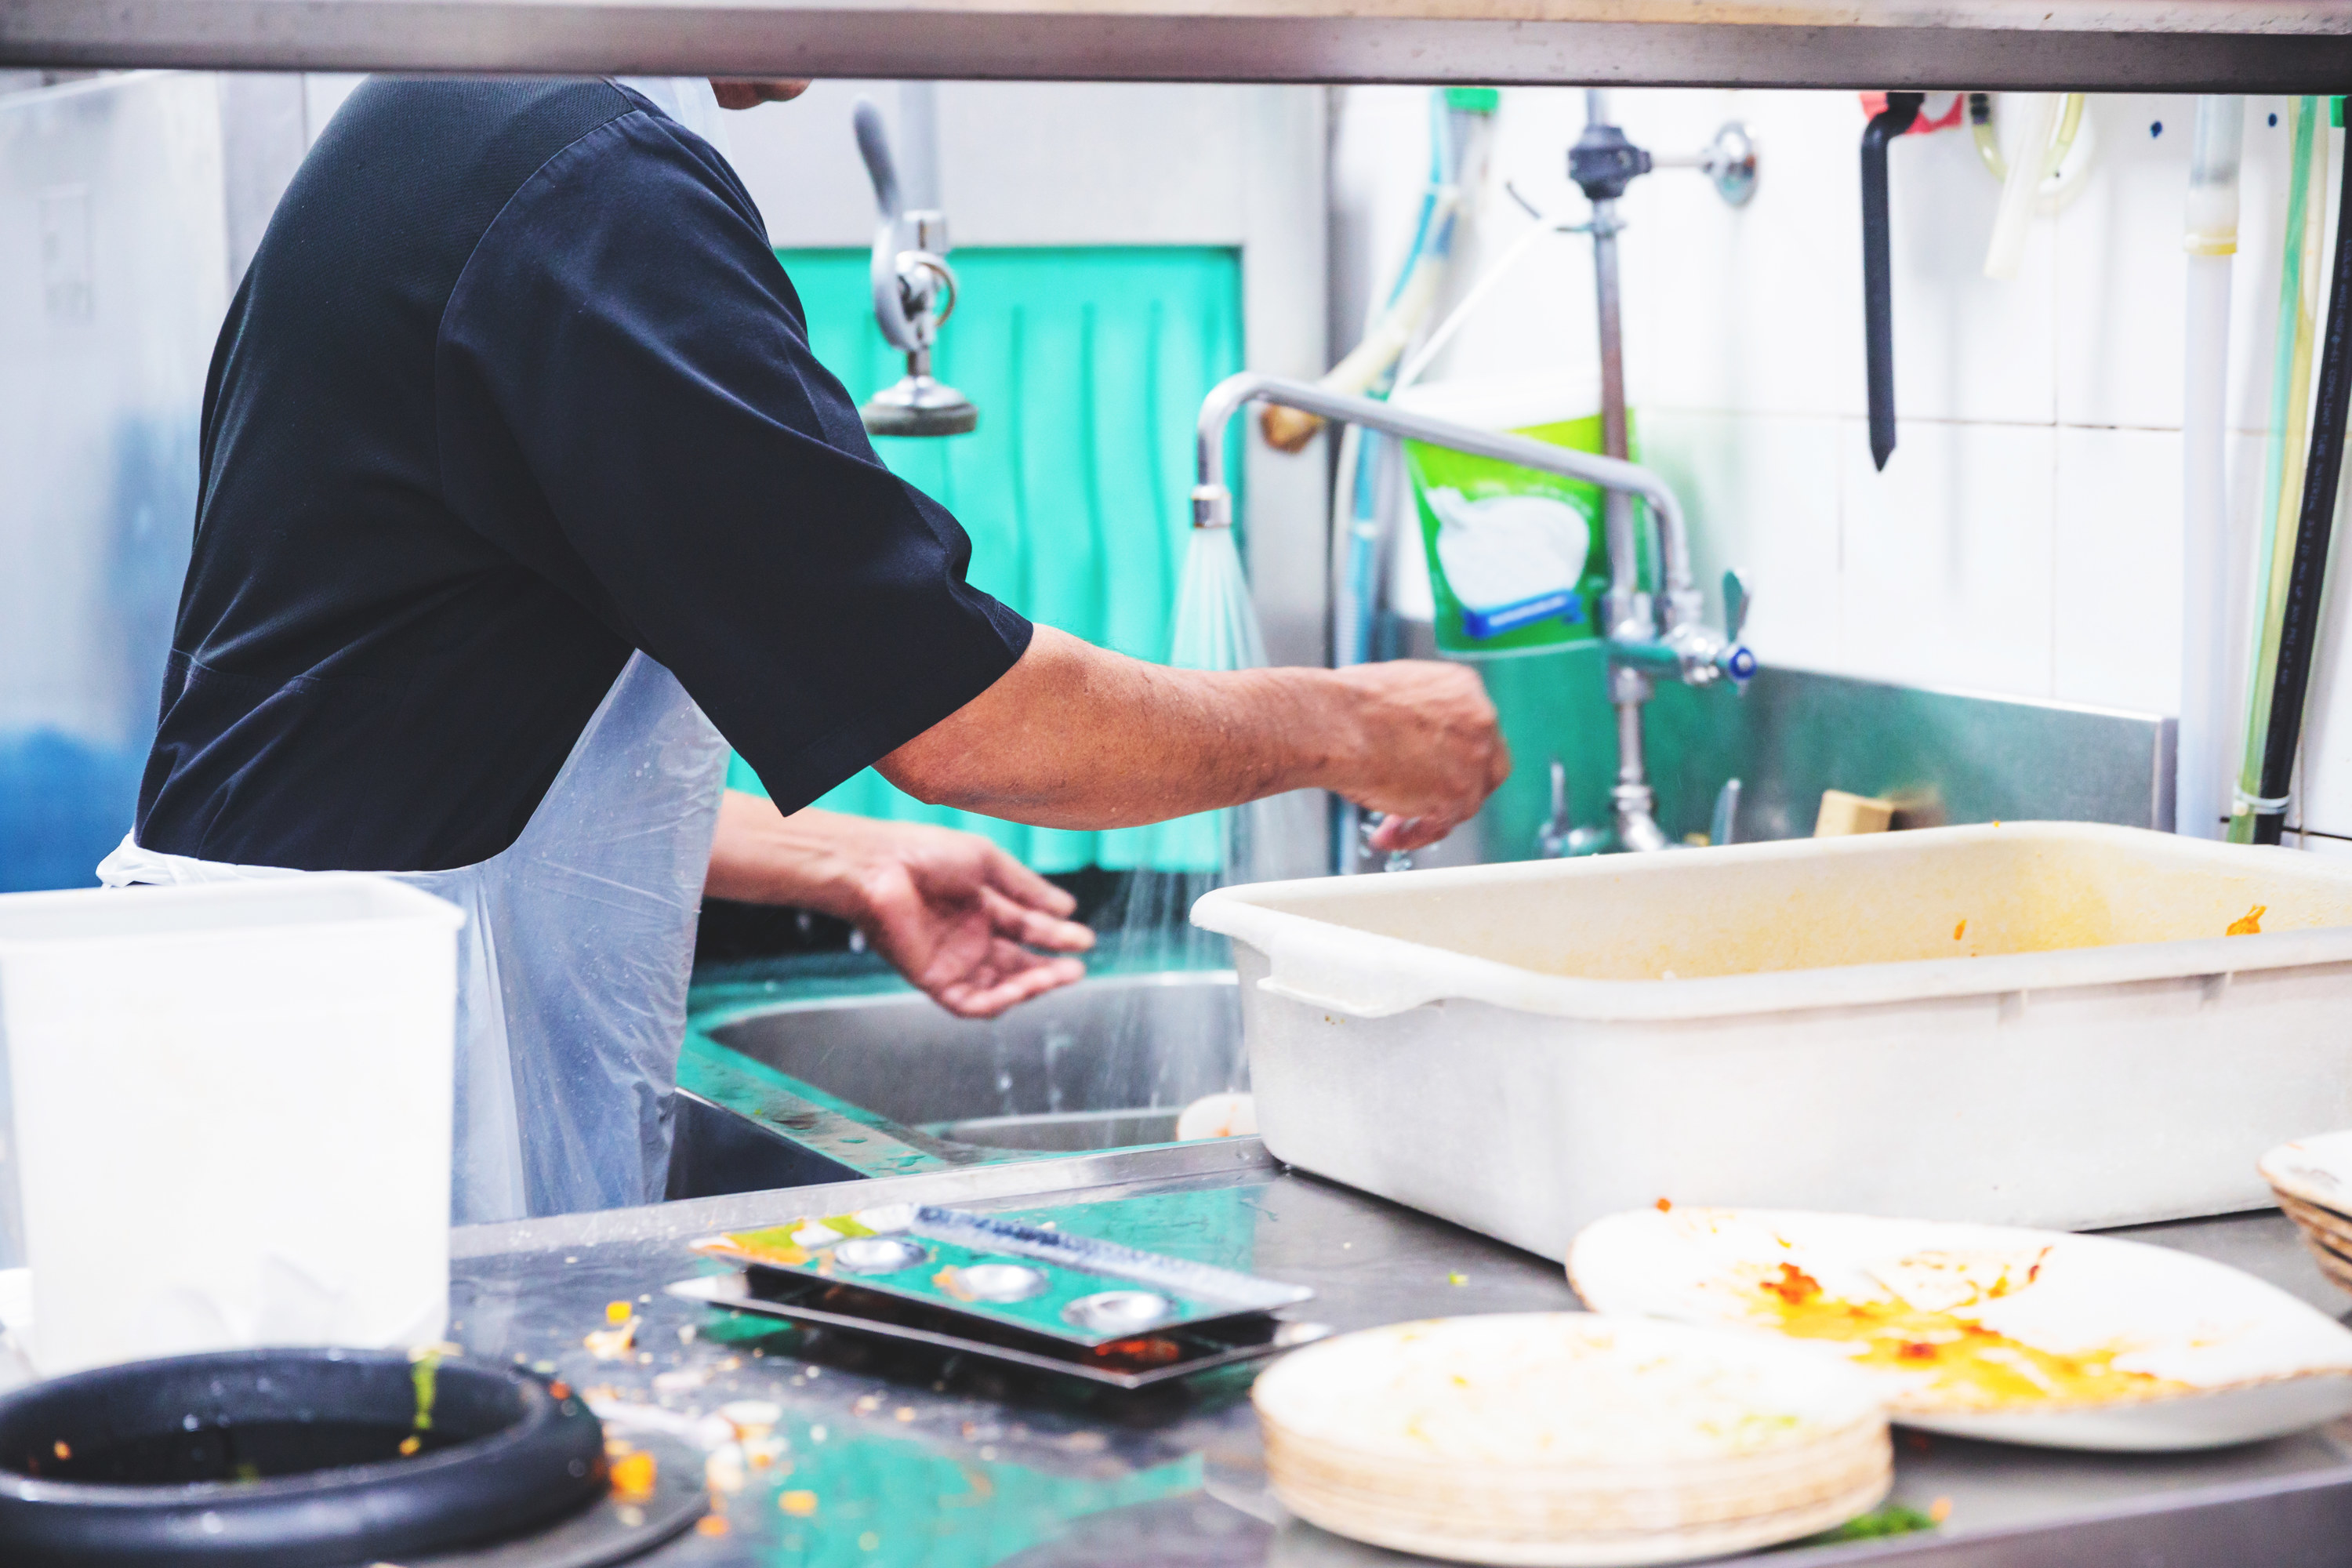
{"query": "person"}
(519, 489)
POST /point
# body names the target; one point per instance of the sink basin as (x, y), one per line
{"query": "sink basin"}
(888, 1081)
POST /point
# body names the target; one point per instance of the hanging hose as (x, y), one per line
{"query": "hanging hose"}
(1877, 269)
(2063, 178)
(2289, 402)
(1356, 531)
(2299, 615)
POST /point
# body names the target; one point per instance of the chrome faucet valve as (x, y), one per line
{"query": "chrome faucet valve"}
(1603, 162)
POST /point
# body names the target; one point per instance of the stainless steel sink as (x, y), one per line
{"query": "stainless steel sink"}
(887, 1082)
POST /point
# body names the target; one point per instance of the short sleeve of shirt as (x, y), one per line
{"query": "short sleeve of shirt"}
(627, 406)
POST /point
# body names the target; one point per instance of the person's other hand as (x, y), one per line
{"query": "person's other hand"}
(953, 914)
(1431, 750)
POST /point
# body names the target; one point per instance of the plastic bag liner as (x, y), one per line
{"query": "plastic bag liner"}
(572, 965)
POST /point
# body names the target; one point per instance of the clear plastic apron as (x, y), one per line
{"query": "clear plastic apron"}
(573, 964)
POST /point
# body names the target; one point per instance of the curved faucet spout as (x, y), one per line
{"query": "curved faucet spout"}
(1213, 501)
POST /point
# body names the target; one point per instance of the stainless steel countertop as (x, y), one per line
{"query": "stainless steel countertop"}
(914, 1460)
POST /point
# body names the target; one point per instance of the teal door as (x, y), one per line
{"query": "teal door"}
(1088, 366)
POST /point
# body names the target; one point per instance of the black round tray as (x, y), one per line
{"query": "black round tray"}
(285, 1458)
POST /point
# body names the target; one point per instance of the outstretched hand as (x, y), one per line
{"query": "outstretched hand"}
(953, 914)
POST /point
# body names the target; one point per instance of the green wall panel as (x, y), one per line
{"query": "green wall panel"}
(1088, 366)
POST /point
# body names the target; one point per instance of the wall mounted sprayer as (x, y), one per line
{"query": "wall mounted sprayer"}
(914, 294)
(1649, 638)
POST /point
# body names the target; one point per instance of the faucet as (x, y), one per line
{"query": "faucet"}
(1648, 637)
(914, 288)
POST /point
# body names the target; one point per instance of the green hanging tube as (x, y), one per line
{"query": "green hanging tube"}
(2300, 269)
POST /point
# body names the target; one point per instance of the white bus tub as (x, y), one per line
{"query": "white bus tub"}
(2037, 1024)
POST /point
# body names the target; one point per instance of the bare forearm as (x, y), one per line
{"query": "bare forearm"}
(760, 856)
(1075, 736)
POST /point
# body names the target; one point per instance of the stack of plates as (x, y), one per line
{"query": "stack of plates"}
(1562, 1438)
(2022, 1336)
(2313, 1179)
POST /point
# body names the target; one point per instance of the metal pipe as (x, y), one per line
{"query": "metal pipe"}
(1213, 502)
(1625, 556)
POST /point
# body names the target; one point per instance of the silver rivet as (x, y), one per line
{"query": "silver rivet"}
(880, 1254)
(1002, 1281)
(1119, 1312)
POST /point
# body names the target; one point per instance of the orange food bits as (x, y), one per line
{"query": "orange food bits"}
(1940, 1509)
(2250, 922)
(1794, 1286)
(1666, 1205)
(61, 1449)
(1916, 1350)
(711, 1524)
(634, 1476)
(618, 1313)
(1959, 930)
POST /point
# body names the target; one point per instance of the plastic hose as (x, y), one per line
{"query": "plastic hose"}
(2211, 241)
(2019, 191)
(2290, 411)
(2062, 180)
(1356, 532)
(2307, 579)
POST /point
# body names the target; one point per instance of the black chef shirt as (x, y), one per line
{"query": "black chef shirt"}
(513, 386)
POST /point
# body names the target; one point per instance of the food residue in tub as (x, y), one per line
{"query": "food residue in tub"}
(2250, 923)
(1959, 930)
(1921, 1327)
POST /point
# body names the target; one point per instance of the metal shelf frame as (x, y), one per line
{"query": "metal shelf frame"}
(2173, 46)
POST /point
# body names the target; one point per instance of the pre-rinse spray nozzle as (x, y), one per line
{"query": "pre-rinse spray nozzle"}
(914, 294)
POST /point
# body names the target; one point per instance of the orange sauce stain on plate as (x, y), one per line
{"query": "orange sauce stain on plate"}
(1970, 1366)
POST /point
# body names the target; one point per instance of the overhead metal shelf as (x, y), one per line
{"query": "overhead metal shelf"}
(2083, 45)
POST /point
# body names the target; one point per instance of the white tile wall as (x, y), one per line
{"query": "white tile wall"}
(2116, 569)
(2025, 537)
(1947, 578)
(1762, 496)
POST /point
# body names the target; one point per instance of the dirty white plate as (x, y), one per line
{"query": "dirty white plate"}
(2022, 1336)
(2316, 1170)
(1562, 1438)
(2313, 1179)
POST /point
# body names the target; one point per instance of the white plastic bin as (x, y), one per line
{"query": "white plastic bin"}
(2038, 1024)
(230, 1108)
